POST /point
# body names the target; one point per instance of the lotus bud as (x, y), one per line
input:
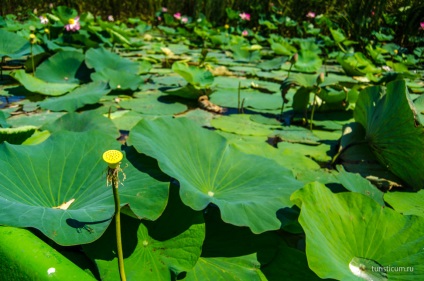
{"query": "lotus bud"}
(295, 58)
(32, 38)
(320, 78)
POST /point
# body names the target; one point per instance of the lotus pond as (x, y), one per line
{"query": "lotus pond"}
(247, 155)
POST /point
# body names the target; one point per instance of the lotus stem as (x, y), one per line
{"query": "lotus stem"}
(115, 185)
(113, 159)
(238, 97)
(32, 61)
(313, 111)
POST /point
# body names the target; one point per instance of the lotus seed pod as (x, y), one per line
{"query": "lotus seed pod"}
(113, 158)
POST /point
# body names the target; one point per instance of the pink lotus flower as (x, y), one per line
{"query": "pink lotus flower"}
(184, 19)
(422, 25)
(73, 25)
(177, 16)
(44, 20)
(110, 18)
(310, 15)
(245, 33)
(159, 18)
(244, 16)
(164, 9)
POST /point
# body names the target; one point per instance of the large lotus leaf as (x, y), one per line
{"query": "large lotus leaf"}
(232, 253)
(283, 48)
(125, 119)
(308, 61)
(357, 64)
(349, 235)
(118, 79)
(60, 68)
(152, 250)
(13, 45)
(36, 119)
(407, 203)
(241, 124)
(225, 268)
(101, 58)
(36, 85)
(245, 53)
(154, 103)
(273, 64)
(290, 159)
(248, 189)
(83, 95)
(197, 77)
(357, 157)
(392, 130)
(295, 134)
(85, 121)
(320, 153)
(68, 166)
(289, 264)
(187, 92)
(356, 183)
(250, 98)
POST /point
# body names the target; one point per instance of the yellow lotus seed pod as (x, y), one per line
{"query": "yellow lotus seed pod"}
(113, 158)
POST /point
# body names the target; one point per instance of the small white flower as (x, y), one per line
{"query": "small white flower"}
(44, 20)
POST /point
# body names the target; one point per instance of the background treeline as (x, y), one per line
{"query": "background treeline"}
(356, 17)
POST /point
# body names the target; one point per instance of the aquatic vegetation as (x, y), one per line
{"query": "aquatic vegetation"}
(270, 147)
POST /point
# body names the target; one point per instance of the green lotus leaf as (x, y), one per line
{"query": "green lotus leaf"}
(37, 137)
(320, 153)
(13, 45)
(308, 61)
(232, 253)
(290, 159)
(273, 64)
(288, 264)
(241, 124)
(252, 99)
(36, 85)
(225, 268)
(118, 79)
(248, 192)
(245, 53)
(197, 77)
(85, 121)
(3, 122)
(68, 168)
(125, 119)
(340, 243)
(356, 183)
(398, 144)
(357, 157)
(101, 58)
(294, 134)
(16, 135)
(357, 64)
(64, 13)
(36, 119)
(283, 48)
(60, 68)
(154, 103)
(83, 95)
(407, 203)
(152, 250)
